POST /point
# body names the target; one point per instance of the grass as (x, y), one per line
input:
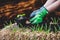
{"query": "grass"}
(36, 32)
(39, 28)
(54, 20)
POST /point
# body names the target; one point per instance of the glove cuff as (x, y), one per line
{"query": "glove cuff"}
(43, 11)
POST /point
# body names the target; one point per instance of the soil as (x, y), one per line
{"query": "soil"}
(10, 33)
(10, 9)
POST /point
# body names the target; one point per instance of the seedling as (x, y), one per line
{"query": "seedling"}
(20, 15)
(54, 20)
(39, 28)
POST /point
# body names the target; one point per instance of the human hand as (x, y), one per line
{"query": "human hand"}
(38, 18)
(35, 12)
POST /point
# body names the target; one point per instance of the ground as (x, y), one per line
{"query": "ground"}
(10, 9)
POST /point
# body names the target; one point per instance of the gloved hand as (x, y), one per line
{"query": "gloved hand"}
(36, 12)
(39, 15)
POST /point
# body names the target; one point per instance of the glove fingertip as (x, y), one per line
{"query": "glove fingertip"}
(31, 20)
(34, 22)
(32, 15)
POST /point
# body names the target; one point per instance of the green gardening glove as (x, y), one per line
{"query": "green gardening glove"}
(38, 18)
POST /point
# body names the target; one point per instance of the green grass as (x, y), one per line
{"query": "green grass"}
(39, 28)
(54, 20)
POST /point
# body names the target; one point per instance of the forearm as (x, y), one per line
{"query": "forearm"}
(49, 2)
(54, 6)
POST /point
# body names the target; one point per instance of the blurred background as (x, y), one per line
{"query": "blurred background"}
(10, 8)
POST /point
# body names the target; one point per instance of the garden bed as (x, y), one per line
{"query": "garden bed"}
(13, 32)
(49, 29)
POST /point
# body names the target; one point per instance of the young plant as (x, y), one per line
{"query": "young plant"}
(47, 28)
(54, 20)
(7, 26)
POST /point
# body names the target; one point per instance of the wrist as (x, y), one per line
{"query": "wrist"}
(44, 11)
